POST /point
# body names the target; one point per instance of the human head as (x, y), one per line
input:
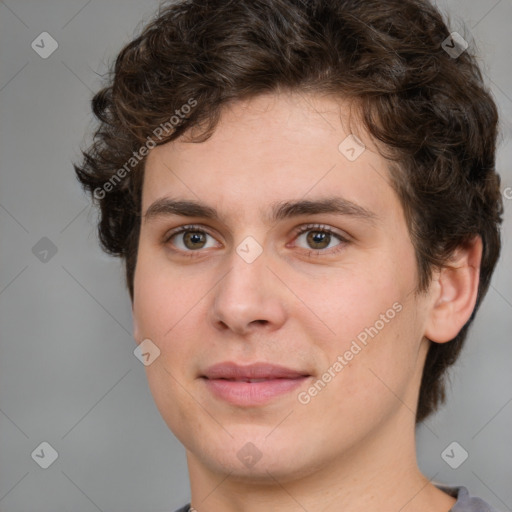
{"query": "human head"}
(430, 113)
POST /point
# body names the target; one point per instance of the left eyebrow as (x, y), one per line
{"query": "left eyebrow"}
(279, 210)
(334, 205)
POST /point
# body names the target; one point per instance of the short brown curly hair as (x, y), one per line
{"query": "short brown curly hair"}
(431, 109)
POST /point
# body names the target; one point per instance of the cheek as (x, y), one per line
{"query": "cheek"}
(161, 299)
(352, 303)
(162, 308)
(374, 327)
(381, 363)
(169, 309)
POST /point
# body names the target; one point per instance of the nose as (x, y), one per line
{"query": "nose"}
(249, 297)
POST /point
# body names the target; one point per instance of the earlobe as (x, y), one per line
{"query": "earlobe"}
(455, 293)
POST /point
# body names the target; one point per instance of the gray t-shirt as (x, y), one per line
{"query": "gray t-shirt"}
(464, 503)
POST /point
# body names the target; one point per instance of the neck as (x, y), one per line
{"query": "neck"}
(380, 474)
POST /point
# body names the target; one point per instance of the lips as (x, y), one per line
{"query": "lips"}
(250, 373)
(251, 385)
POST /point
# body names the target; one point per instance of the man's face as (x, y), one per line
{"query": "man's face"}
(338, 309)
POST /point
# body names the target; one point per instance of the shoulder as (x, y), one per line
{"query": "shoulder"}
(465, 502)
(184, 509)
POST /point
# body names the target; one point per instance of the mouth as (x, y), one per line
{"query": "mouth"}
(251, 385)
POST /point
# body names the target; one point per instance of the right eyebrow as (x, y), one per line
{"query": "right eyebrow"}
(167, 206)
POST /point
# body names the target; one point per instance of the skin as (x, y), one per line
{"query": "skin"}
(352, 447)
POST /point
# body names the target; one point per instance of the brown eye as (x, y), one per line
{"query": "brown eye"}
(189, 239)
(318, 239)
(194, 239)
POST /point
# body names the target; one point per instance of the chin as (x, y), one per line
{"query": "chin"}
(261, 463)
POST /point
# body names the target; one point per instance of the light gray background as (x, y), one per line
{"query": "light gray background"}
(68, 375)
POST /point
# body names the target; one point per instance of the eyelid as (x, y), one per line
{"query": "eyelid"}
(188, 227)
(343, 239)
(320, 227)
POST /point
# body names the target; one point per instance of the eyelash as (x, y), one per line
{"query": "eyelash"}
(299, 231)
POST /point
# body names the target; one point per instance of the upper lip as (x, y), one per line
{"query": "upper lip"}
(233, 371)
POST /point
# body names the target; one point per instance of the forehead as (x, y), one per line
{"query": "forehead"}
(270, 149)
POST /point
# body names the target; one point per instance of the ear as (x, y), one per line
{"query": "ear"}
(454, 293)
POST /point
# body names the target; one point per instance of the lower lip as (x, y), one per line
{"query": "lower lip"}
(251, 393)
